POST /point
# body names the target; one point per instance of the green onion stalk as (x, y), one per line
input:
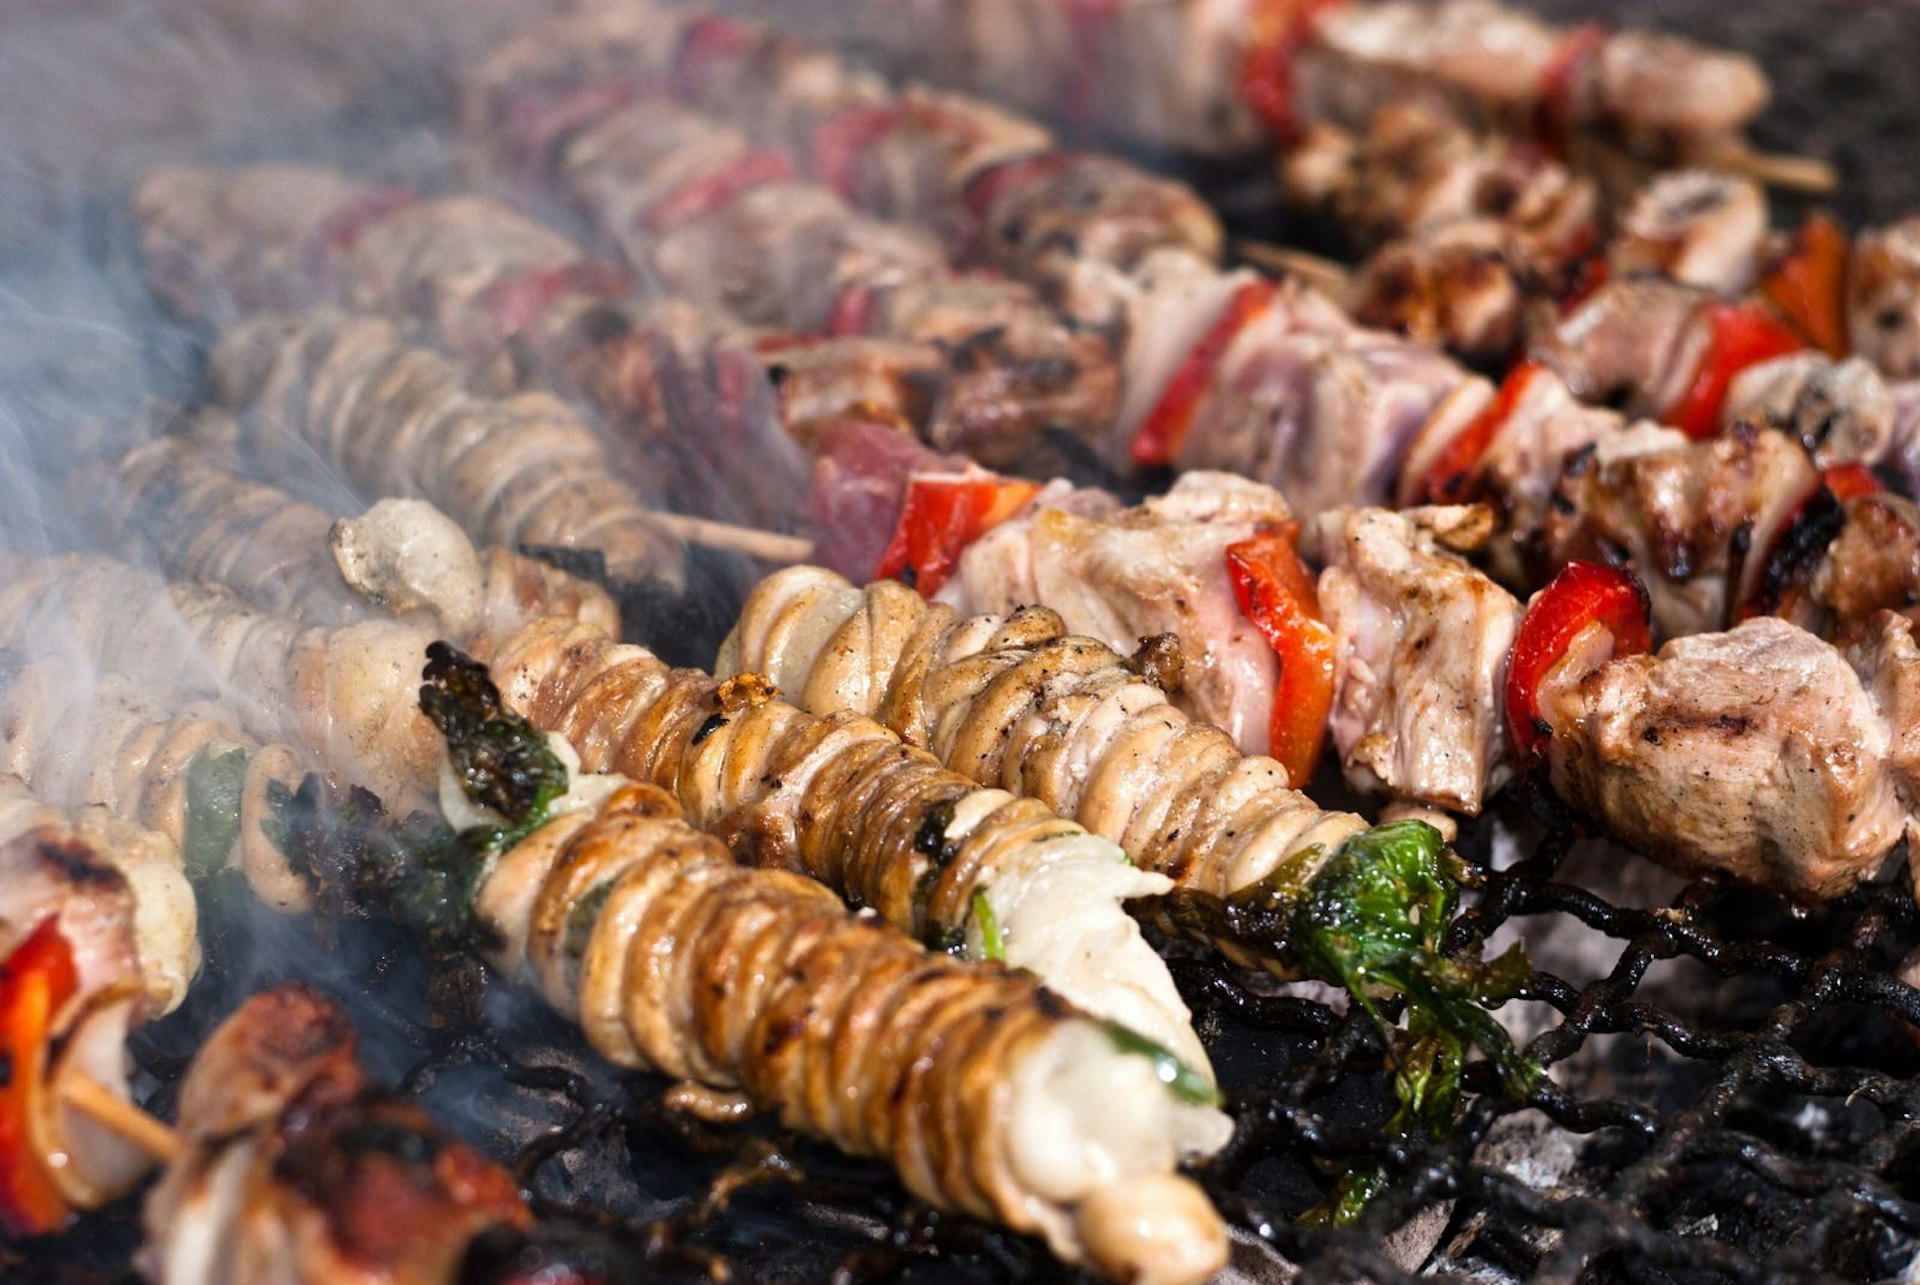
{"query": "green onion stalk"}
(1372, 920)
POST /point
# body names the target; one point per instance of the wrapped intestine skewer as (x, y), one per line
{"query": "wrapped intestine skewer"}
(840, 799)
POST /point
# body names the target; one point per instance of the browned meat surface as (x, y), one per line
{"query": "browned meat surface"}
(1697, 227)
(1453, 288)
(1127, 574)
(1626, 345)
(298, 1171)
(1421, 642)
(1883, 297)
(1756, 752)
(1684, 515)
(1873, 565)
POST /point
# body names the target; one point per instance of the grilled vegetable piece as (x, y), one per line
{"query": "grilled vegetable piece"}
(298, 1169)
(1599, 611)
(986, 1093)
(37, 981)
(394, 418)
(1019, 702)
(942, 517)
(1276, 591)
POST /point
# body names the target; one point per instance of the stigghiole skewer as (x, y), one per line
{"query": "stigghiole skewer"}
(841, 799)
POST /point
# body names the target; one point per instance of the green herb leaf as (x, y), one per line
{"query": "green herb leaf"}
(215, 782)
(1181, 1080)
(1374, 919)
(992, 946)
(502, 762)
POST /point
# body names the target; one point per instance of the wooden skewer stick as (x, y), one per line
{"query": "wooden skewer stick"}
(770, 546)
(1317, 271)
(112, 1112)
(1806, 174)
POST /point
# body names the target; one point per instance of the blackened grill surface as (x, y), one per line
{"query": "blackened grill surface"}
(1734, 1092)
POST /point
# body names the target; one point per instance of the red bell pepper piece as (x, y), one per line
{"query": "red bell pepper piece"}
(518, 300)
(1810, 286)
(36, 982)
(1741, 335)
(709, 42)
(1279, 31)
(1167, 424)
(1277, 593)
(852, 312)
(1849, 481)
(842, 138)
(1585, 593)
(1553, 113)
(1087, 22)
(942, 516)
(1449, 480)
(709, 192)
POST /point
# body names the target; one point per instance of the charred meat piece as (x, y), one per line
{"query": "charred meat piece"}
(1696, 227)
(1422, 640)
(1123, 575)
(1883, 298)
(297, 1169)
(1756, 753)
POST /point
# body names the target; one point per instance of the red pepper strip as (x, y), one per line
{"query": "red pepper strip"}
(1741, 335)
(1279, 31)
(1810, 285)
(344, 226)
(1167, 424)
(1450, 479)
(709, 192)
(1584, 594)
(1087, 22)
(1850, 481)
(1553, 121)
(708, 43)
(841, 139)
(1277, 593)
(36, 981)
(852, 312)
(517, 301)
(942, 516)
(985, 190)
(537, 124)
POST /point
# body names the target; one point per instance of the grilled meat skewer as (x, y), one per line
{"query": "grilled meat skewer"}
(1115, 248)
(1231, 76)
(98, 932)
(298, 1169)
(694, 204)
